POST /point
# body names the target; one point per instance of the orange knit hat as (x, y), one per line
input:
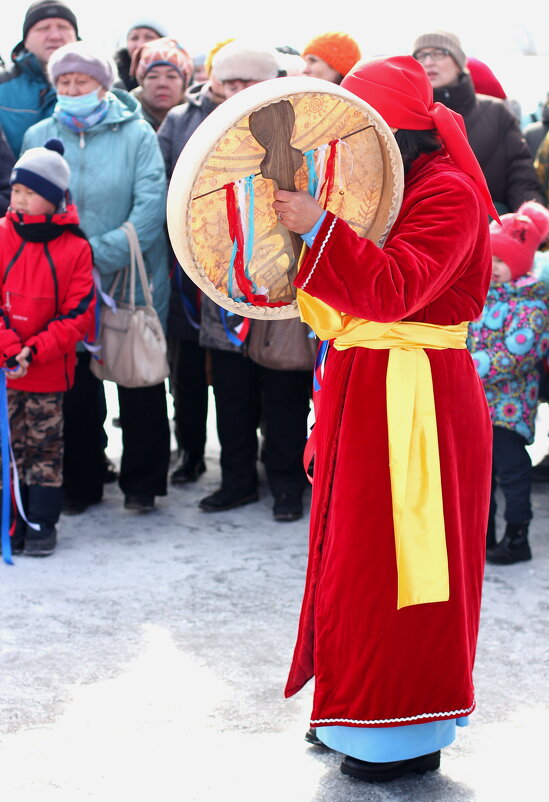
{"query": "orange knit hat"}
(338, 50)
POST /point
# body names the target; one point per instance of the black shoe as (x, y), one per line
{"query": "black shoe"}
(224, 499)
(383, 772)
(42, 543)
(288, 507)
(311, 738)
(140, 502)
(189, 470)
(514, 548)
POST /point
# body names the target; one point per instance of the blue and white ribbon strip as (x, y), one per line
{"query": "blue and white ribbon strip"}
(321, 168)
(5, 450)
(17, 492)
(108, 301)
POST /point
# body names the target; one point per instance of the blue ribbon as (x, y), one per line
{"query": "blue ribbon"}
(312, 177)
(231, 269)
(6, 499)
(231, 336)
(320, 357)
(251, 224)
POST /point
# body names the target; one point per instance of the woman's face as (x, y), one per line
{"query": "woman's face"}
(501, 272)
(318, 68)
(138, 37)
(78, 83)
(163, 88)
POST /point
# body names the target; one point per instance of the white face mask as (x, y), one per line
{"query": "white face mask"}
(79, 105)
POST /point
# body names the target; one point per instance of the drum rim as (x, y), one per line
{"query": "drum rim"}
(195, 155)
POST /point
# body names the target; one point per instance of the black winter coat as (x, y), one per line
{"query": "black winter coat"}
(498, 144)
(174, 133)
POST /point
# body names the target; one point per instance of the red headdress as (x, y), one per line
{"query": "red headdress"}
(399, 89)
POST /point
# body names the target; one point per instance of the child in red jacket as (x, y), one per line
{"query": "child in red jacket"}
(47, 303)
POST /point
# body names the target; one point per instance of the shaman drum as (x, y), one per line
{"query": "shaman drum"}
(290, 133)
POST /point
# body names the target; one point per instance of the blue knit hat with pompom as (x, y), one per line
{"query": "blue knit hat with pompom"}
(44, 170)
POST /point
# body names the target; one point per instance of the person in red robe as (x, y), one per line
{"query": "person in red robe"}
(402, 466)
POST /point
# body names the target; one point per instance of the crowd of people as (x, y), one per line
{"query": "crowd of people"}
(122, 124)
(88, 145)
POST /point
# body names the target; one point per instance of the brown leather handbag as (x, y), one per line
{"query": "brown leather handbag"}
(282, 344)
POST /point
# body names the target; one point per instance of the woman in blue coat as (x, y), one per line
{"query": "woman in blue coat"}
(117, 175)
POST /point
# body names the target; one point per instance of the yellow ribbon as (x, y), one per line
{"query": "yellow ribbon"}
(414, 461)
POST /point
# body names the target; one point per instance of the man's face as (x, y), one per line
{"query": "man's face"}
(231, 88)
(439, 66)
(47, 36)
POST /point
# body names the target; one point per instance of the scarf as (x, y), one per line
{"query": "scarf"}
(82, 123)
(400, 91)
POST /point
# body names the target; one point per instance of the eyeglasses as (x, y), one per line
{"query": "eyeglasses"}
(437, 54)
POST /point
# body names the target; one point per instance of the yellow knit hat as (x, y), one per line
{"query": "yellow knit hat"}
(338, 50)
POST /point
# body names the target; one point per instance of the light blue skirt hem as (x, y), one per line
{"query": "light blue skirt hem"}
(385, 744)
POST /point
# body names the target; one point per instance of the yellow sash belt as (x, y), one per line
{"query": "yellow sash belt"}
(414, 462)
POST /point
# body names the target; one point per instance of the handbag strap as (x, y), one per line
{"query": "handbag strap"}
(136, 258)
(114, 285)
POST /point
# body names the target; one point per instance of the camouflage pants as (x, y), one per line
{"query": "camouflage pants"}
(36, 424)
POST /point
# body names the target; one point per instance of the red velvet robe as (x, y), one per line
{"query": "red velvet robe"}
(375, 665)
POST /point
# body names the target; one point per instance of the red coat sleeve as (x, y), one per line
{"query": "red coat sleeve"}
(10, 344)
(76, 316)
(432, 243)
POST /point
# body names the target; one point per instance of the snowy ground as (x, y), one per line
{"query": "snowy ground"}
(147, 658)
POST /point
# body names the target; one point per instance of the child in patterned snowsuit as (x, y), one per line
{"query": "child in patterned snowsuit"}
(47, 303)
(508, 341)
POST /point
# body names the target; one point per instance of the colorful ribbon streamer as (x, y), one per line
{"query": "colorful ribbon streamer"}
(237, 335)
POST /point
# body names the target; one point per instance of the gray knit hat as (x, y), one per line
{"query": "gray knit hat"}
(77, 57)
(449, 41)
(44, 170)
(245, 62)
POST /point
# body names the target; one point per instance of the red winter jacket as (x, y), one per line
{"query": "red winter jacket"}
(47, 298)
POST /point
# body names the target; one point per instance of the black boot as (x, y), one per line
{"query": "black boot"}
(312, 738)
(44, 508)
(383, 772)
(514, 548)
(189, 469)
